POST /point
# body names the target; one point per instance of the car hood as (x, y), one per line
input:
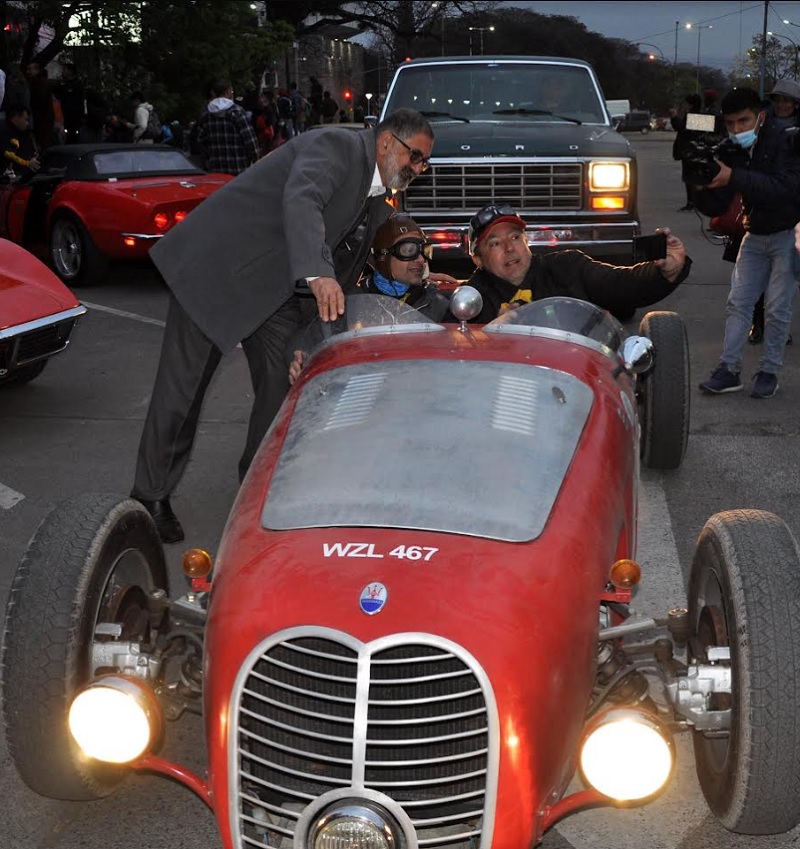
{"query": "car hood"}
(526, 138)
(28, 289)
(165, 189)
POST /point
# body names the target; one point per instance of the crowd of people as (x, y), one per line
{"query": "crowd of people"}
(229, 135)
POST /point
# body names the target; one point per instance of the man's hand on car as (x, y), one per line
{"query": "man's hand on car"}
(296, 366)
(672, 266)
(330, 297)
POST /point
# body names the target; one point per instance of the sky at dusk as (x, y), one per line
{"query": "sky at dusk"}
(732, 25)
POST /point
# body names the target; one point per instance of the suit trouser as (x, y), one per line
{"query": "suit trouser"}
(187, 364)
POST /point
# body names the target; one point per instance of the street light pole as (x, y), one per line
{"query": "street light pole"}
(700, 28)
(481, 30)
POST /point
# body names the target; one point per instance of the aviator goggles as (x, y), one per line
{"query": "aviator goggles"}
(415, 155)
(407, 249)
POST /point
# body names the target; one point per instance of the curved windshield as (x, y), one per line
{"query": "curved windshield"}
(499, 91)
(566, 317)
(365, 313)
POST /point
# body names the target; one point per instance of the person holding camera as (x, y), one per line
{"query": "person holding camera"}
(763, 167)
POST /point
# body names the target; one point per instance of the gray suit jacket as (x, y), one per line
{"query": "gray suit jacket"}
(235, 259)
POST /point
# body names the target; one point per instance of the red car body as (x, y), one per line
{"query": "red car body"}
(414, 635)
(37, 314)
(269, 582)
(91, 204)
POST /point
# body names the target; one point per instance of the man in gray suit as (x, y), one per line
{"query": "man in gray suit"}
(302, 217)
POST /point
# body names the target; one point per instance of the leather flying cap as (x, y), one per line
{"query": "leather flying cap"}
(484, 219)
(398, 226)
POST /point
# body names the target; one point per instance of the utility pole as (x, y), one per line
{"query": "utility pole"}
(762, 73)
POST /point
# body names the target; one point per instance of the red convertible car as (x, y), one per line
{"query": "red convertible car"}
(90, 204)
(417, 629)
(37, 314)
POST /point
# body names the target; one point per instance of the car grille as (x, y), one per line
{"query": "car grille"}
(42, 342)
(526, 186)
(409, 721)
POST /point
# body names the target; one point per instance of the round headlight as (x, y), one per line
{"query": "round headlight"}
(355, 826)
(114, 720)
(627, 755)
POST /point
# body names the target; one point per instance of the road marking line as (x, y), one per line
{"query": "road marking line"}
(9, 497)
(125, 314)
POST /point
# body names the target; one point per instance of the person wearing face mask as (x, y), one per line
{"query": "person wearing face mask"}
(785, 112)
(768, 179)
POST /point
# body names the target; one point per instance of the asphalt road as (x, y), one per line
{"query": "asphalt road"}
(76, 429)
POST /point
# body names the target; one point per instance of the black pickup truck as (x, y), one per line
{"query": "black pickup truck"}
(530, 131)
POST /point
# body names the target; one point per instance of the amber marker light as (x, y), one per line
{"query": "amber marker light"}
(625, 574)
(608, 203)
(196, 563)
(129, 242)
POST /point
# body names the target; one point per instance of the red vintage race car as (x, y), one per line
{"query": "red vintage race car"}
(90, 204)
(37, 315)
(417, 631)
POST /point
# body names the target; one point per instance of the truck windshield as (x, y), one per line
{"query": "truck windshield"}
(499, 91)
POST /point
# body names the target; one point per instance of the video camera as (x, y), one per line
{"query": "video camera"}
(699, 163)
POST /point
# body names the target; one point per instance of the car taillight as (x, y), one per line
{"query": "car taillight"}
(161, 220)
(180, 215)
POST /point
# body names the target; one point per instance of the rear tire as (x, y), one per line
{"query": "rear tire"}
(93, 559)
(73, 254)
(744, 592)
(663, 393)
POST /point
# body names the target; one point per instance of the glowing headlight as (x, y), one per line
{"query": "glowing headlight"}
(627, 755)
(355, 826)
(113, 720)
(608, 175)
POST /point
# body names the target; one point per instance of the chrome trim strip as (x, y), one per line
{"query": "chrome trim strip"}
(39, 323)
(143, 236)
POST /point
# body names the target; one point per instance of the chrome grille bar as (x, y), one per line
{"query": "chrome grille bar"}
(412, 726)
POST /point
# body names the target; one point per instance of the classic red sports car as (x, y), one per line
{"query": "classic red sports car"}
(37, 314)
(417, 631)
(92, 203)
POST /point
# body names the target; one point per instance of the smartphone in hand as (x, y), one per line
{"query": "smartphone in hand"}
(646, 248)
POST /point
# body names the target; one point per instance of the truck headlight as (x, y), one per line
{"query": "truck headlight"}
(356, 825)
(114, 719)
(604, 176)
(627, 755)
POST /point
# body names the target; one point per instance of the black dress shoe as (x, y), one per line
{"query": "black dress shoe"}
(167, 524)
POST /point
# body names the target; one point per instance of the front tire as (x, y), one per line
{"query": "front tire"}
(93, 559)
(663, 393)
(73, 254)
(744, 592)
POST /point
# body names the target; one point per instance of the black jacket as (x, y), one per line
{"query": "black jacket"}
(769, 182)
(573, 274)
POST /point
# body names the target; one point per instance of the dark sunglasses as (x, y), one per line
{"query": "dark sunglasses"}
(415, 156)
(407, 249)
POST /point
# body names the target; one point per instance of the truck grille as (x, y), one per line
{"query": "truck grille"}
(318, 715)
(525, 185)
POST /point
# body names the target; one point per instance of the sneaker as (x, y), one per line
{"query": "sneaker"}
(765, 385)
(721, 380)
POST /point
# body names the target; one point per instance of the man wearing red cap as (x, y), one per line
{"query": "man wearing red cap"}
(508, 274)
